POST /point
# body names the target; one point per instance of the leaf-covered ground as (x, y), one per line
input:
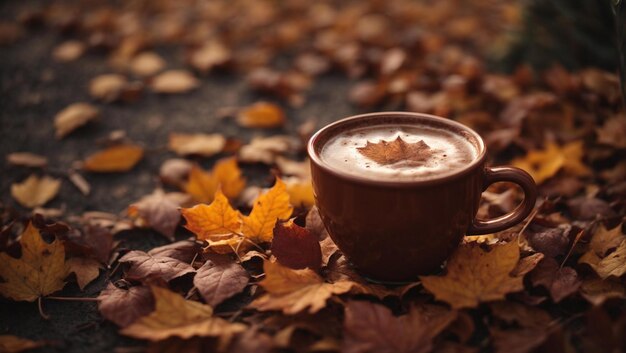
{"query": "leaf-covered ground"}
(156, 195)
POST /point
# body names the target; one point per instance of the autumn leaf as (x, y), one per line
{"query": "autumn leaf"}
(14, 344)
(120, 158)
(266, 149)
(613, 264)
(26, 159)
(147, 64)
(218, 218)
(174, 82)
(596, 290)
(74, 116)
(69, 51)
(293, 291)
(607, 252)
(474, 276)
(35, 191)
(267, 209)
(370, 327)
(125, 306)
(225, 175)
(40, 271)
(604, 240)
(398, 150)
(146, 267)
(176, 317)
(544, 164)
(159, 210)
(184, 250)
(205, 145)
(108, 87)
(209, 55)
(86, 270)
(300, 192)
(218, 281)
(261, 115)
(295, 247)
(560, 281)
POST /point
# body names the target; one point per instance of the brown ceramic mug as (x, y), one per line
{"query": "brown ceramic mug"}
(394, 230)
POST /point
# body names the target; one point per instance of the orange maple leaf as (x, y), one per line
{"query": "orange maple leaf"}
(226, 175)
(261, 115)
(218, 218)
(398, 150)
(268, 208)
(120, 158)
(544, 164)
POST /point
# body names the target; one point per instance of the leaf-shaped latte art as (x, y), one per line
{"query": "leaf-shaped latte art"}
(398, 150)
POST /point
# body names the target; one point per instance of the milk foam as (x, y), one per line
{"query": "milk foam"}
(449, 152)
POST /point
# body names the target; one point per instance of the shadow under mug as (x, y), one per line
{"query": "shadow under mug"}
(392, 231)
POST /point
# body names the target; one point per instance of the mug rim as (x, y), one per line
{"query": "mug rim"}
(441, 178)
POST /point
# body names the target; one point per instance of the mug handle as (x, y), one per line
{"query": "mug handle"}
(514, 175)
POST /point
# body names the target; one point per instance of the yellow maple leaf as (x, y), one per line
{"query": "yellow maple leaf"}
(295, 290)
(176, 317)
(120, 158)
(300, 192)
(474, 276)
(544, 164)
(202, 185)
(218, 218)
(269, 207)
(40, 271)
(35, 191)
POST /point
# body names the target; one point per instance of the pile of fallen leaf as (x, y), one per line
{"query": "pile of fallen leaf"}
(249, 266)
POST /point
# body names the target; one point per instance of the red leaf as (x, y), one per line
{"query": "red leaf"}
(296, 247)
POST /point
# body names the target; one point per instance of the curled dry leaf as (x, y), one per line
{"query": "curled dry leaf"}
(605, 240)
(14, 344)
(86, 270)
(150, 268)
(125, 306)
(261, 115)
(68, 51)
(267, 209)
(614, 264)
(266, 149)
(176, 317)
(159, 211)
(174, 81)
(108, 87)
(74, 116)
(120, 158)
(295, 247)
(205, 145)
(35, 191)
(40, 271)
(147, 64)
(474, 276)
(27, 159)
(210, 55)
(544, 164)
(218, 281)
(293, 291)
(372, 328)
(225, 175)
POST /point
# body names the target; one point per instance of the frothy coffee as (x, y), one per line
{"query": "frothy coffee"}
(395, 152)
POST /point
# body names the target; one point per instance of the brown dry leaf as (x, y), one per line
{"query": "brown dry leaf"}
(520, 341)
(613, 264)
(300, 192)
(266, 149)
(175, 171)
(40, 271)
(220, 280)
(225, 175)
(26, 159)
(295, 247)
(184, 250)
(176, 317)
(125, 306)
(68, 51)
(14, 344)
(174, 81)
(210, 55)
(218, 218)
(120, 158)
(544, 164)
(268, 208)
(107, 87)
(372, 328)
(261, 115)
(301, 170)
(613, 132)
(474, 276)
(35, 191)
(74, 116)
(293, 291)
(147, 64)
(385, 152)
(561, 282)
(159, 211)
(604, 240)
(150, 268)
(205, 145)
(597, 290)
(524, 315)
(86, 270)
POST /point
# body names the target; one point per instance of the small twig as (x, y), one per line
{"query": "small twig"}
(194, 259)
(191, 292)
(236, 250)
(254, 244)
(530, 219)
(580, 234)
(41, 312)
(74, 299)
(113, 270)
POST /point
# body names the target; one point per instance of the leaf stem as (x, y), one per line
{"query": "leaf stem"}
(41, 312)
(74, 299)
